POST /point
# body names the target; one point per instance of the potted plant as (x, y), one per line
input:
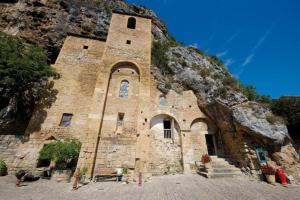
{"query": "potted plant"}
(63, 155)
(82, 174)
(206, 160)
(3, 168)
(125, 176)
(269, 172)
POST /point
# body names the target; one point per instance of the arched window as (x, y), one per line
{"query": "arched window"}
(131, 23)
(162, 100)
(124, 87)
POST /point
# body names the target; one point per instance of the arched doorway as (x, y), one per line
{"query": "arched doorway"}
(209, 136)
(165, 145)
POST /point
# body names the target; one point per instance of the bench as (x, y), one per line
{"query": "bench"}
(105, 174)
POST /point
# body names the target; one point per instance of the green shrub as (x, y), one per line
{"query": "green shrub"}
(205, 72)
(83, 171)
(173, 42)
(125, 170)
(216, 60)
(288, 107)
(64, 153)
(273, 119)
(195, 67)
(250, 92)
(217, 76)
(3, 168)
(231, 82)
(159, 57)
(197, 50)
(221, 92)
(265, 99)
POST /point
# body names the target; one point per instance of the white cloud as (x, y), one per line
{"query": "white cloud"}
(258, 44)
(229, 62)
(263, 37)
(248, 59)
(223, 53)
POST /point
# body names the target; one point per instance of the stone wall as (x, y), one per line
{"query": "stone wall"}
(165, 153)
(117, 141)
(77, 66)
(91, 73)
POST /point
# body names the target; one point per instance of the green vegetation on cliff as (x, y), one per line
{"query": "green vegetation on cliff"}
(229, 82)
(289, 108)
(24, 72)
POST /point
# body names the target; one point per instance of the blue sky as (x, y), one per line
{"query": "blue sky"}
(258, 40)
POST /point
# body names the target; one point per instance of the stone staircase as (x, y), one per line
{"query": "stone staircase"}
(221, 168)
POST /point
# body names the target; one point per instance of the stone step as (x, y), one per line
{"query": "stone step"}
(222, 166)
(222, 161)
(223, 170)
(220, 175)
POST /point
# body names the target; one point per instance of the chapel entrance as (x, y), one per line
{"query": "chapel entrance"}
(210, 144)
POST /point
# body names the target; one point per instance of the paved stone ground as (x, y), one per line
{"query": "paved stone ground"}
(177, 187)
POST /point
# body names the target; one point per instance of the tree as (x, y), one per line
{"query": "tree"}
(24, 72)
(289, 108)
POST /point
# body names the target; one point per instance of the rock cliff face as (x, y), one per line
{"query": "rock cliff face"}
(190, 69)
(47, 22)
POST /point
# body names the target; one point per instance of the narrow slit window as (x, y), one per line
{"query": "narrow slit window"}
(124, 88)
(128, 42)
(85, 47)
(131, 24)
(66, 120)
(167, 129)
(120, 119)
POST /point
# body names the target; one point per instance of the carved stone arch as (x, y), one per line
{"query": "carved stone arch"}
(204, 125)
(166, 113)
(199, 125)
(153, 120)
(125, 64)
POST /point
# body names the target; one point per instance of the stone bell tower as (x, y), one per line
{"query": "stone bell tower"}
(121, 92)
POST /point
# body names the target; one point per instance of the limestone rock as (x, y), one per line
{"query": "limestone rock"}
(195, 71)
(288, 158)
(254, 118)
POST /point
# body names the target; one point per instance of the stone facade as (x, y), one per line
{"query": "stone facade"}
(116, 110)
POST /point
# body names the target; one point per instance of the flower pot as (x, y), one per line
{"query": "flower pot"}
(82, 179)
(207, 165)
(125, 178)
(271, 179)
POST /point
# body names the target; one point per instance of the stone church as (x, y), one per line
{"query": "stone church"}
(108, 99)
